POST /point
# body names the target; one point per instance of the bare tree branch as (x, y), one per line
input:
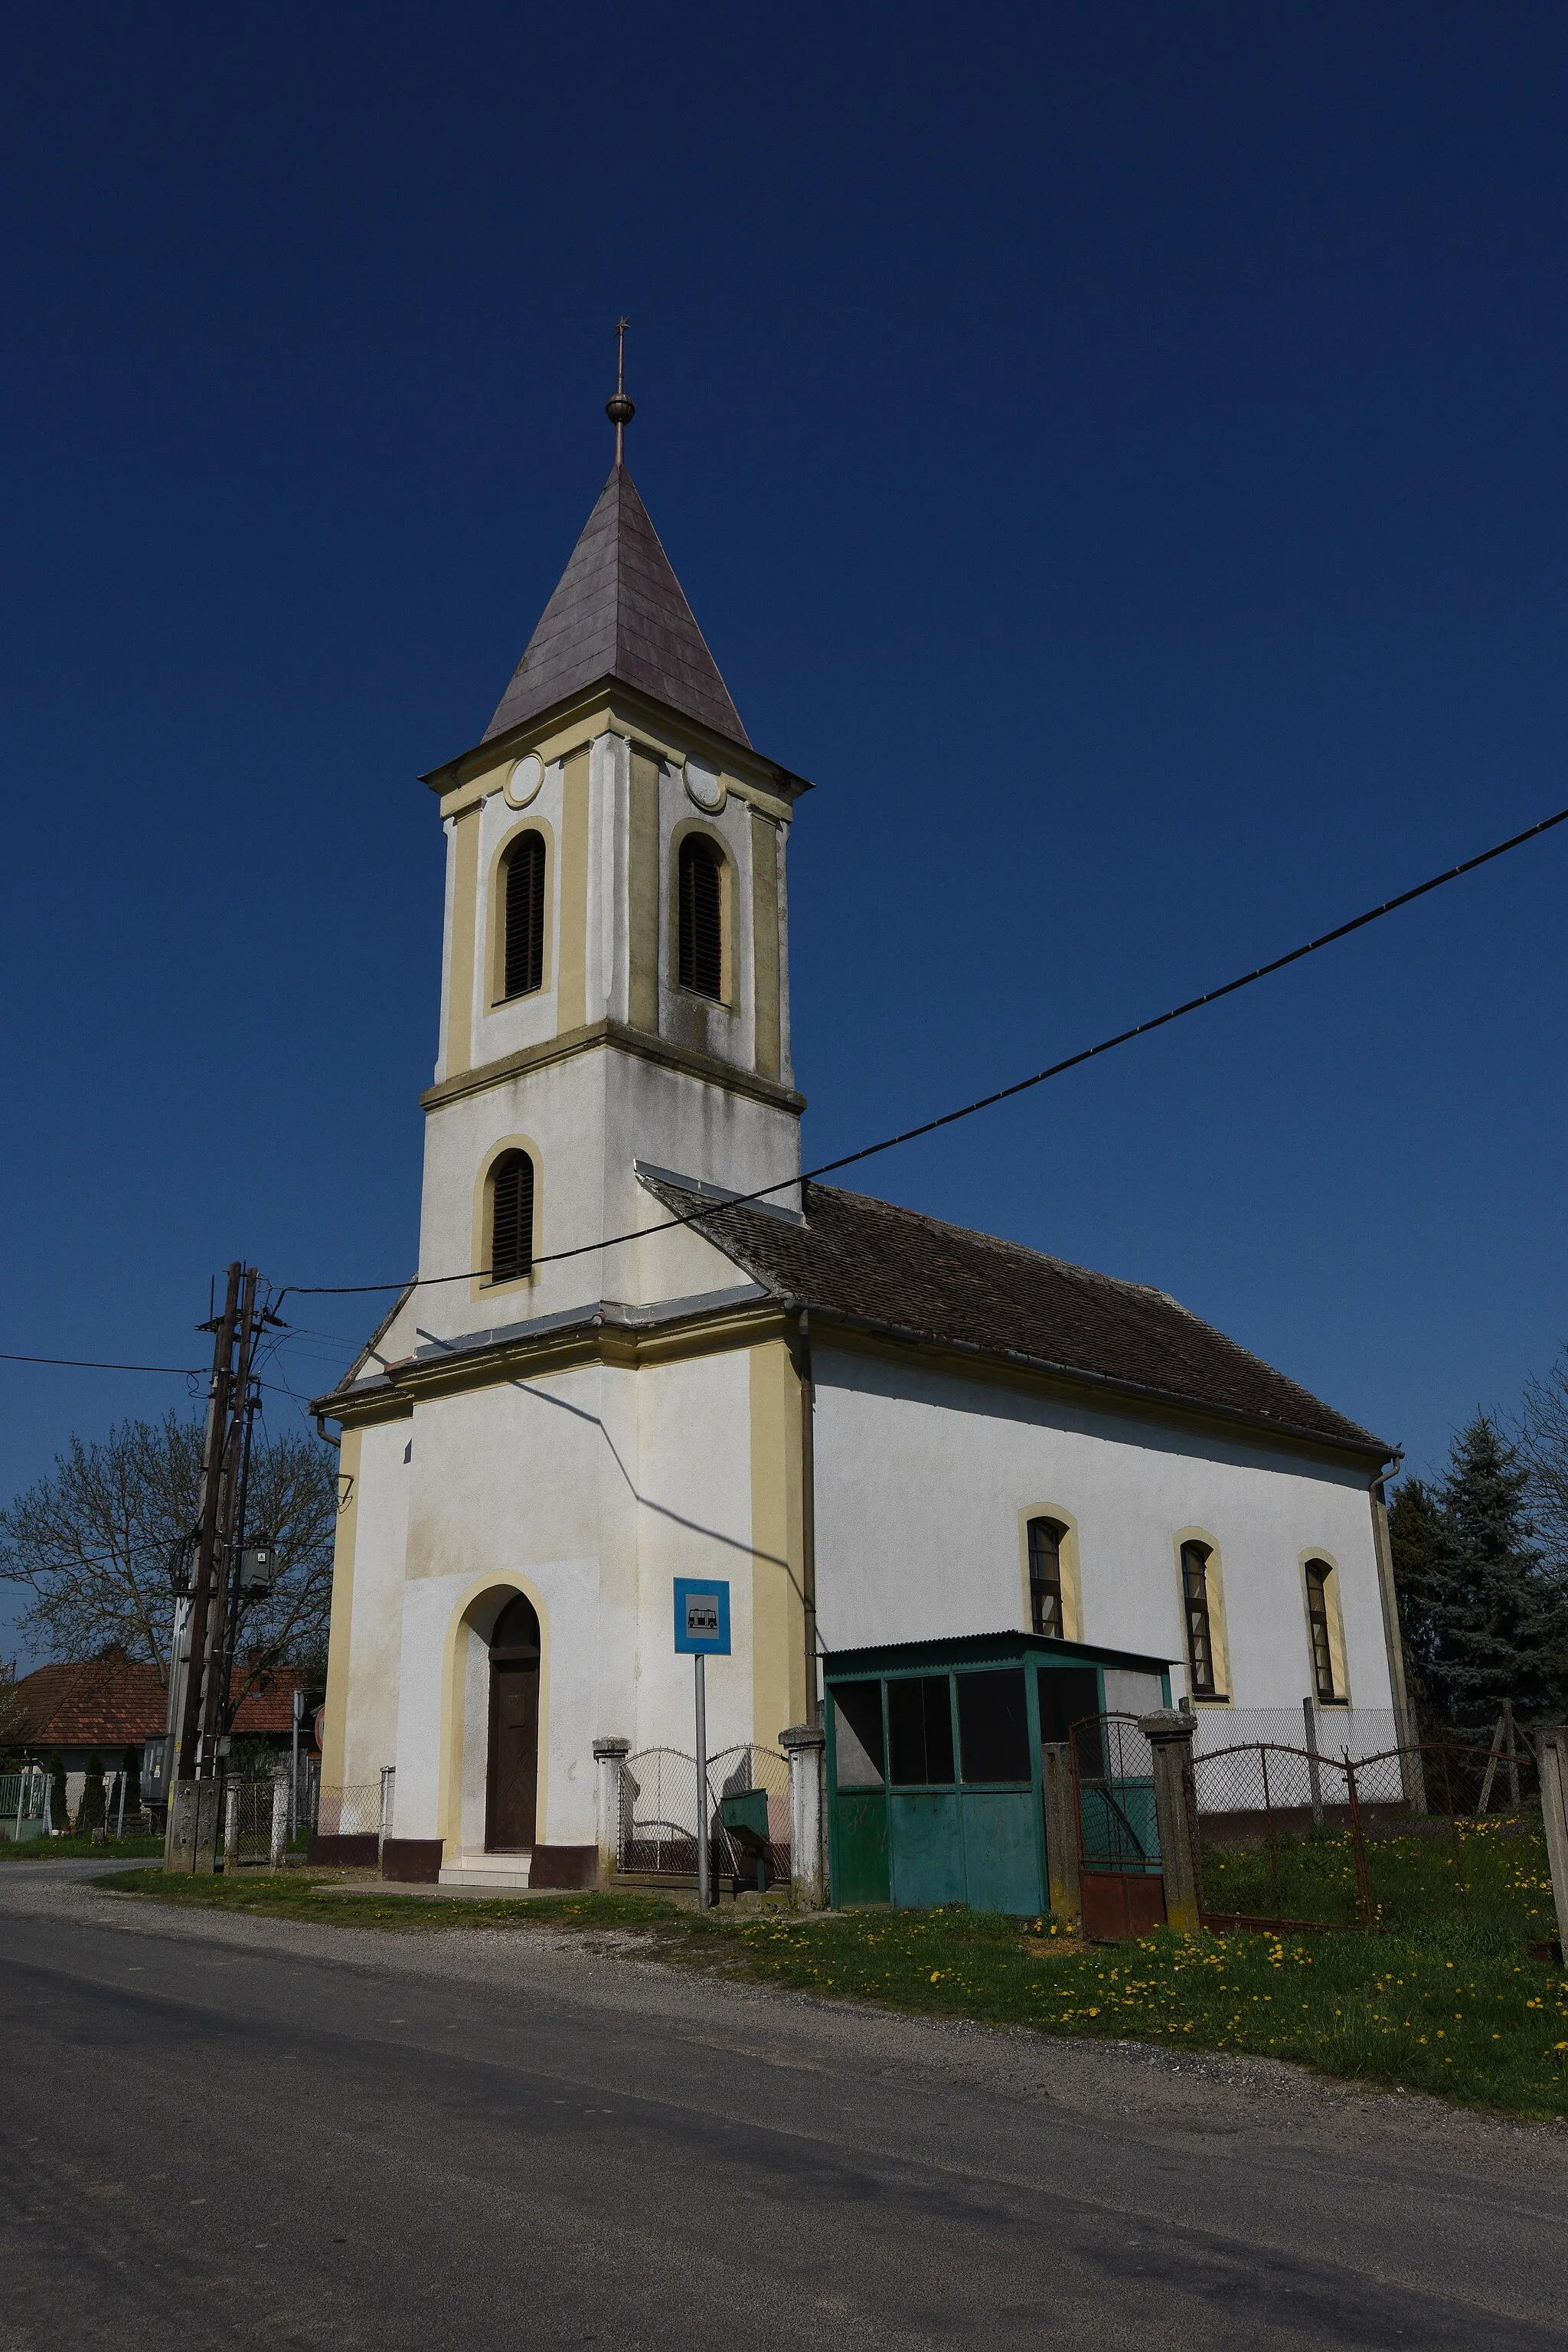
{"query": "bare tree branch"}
(94, 1542)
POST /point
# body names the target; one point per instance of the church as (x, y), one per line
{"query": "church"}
(640, 1349)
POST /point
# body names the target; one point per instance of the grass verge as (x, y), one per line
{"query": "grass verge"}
(74, 1849)
(1463, 2013)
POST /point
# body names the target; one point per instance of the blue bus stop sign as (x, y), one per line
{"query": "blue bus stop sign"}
(702, 1617)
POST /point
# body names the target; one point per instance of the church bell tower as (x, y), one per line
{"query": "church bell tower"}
(615, 990)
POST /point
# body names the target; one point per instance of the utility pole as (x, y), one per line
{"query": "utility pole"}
(183, 1838)
(209, 1615)
(224, 1622)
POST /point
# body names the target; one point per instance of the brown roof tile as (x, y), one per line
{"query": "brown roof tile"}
(113, 1702)
(866, 1259)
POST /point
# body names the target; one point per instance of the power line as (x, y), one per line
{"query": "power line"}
(86, 1364)
(984, 1102)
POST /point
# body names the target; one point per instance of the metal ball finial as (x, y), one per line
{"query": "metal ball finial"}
(618, 408)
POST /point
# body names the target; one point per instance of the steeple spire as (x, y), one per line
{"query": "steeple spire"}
(618, 408)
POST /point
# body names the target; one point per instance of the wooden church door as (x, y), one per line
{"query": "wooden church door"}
(513, 1786)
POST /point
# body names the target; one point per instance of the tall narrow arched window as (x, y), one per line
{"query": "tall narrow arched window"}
(522, 959)
(701, 917)
(512, 1217)
(1200, 1624)
(1046, 1577)
(1319, 1574)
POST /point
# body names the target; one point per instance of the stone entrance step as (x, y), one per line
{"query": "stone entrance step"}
(498, 1871)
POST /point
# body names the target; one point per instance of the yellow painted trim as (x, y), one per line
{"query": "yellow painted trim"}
(642, 925)
(483, 1220)
(1072, 1575)
(740, 1327)
(1337, 1657)
(679, 832)
(572, 994)
(454, 1708)
(341, 1637)
(464, 914)
(769, 1052)
(594, 1035)
(495, 911)
(1218, 1632)
(778, 1551)
(620, 710)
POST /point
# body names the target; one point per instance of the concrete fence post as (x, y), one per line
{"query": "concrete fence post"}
(806, 1749)
(1170, 1735)
(610, 1756)
(1551, 1749)
(1061, 1839)
(231, 1826)
(279, 1822)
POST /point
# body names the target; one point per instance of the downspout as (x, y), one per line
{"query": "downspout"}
(1393, 1635)
(808, 1512)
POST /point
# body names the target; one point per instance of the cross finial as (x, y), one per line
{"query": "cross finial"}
(619, 410)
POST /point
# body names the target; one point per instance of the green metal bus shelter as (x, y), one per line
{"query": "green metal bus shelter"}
(935, 1785)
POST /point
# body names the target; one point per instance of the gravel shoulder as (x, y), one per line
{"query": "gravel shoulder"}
(1201, 2095)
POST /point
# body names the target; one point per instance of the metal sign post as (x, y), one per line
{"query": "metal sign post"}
(698, 1668)
(701, 1630)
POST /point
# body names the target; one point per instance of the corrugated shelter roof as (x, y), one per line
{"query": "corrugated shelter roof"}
(118, 1702)
(619, 612)
(866, 1259)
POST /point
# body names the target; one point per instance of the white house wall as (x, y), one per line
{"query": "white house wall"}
(921, 1477)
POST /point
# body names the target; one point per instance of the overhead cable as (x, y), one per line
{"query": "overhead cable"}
(984, 1102)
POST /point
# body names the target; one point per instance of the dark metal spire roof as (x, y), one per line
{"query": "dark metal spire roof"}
(618, 612)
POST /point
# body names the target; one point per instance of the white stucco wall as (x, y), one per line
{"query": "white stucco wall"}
(591, 1491)
(921, 1479)
(375, 1608)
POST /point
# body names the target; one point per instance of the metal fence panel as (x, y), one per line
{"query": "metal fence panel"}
(659, 1811)
(1292, 1838)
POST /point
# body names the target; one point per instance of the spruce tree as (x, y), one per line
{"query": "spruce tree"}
(1418, 1543)
(1487, 1623)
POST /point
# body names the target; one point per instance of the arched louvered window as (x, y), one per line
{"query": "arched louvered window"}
(1320, 1631)
(701, 917)
(512, 1216)
(1046, 1577)
(523, 960)
(1195, 1596)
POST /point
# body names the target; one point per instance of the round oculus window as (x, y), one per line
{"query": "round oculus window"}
(705, 785)
(527, 776)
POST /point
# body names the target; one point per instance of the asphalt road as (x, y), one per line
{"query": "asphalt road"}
(226, 2133)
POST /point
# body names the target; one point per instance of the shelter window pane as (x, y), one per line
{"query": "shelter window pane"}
(994, 1726)
(857, 1735)
(920, 1730)
(1067, 1694)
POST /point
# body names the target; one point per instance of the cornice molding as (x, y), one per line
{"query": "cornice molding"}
(616, 1036)
(634, 1348)
(608, 704)
(625, 1347)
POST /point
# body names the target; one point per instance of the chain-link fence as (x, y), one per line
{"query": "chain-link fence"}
(1290, 1838)
(355, 1811)
(659, 1812)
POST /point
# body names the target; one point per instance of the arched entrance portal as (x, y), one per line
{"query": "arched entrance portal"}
(511, 1793)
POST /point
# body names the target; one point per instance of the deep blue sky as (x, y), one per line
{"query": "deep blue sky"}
(1117, 451)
